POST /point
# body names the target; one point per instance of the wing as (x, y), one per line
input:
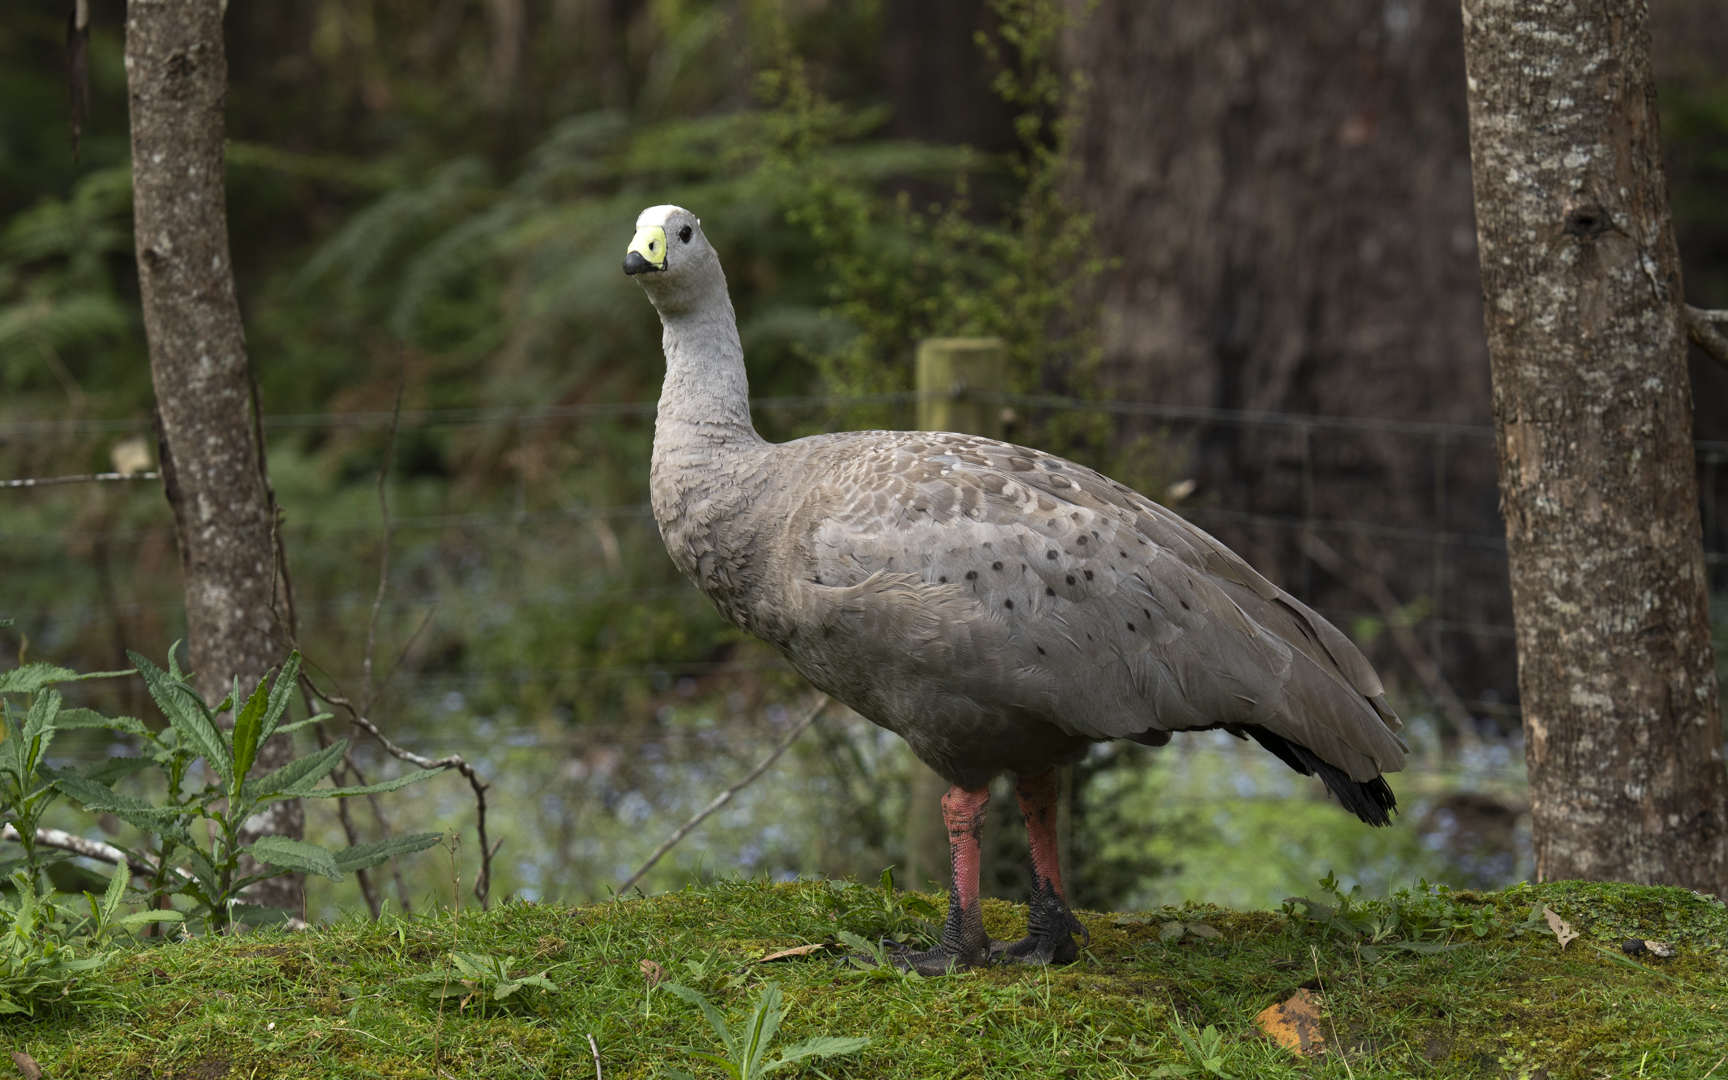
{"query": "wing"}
(1135, 620)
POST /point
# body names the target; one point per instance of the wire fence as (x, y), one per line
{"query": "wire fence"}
(1446, 444)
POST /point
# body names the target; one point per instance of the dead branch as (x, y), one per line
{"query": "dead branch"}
(726, 796)
(483, 883)
(1374, 587)
(1705, 335)
(90, 849)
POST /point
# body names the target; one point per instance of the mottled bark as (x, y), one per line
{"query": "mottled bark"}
(1287, 188)
(211, 465)
(1593, 409)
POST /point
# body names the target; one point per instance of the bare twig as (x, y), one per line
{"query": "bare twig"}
(483, 882)
(595, 1047)
(90, 849)
(1374, 587)
(726, 796)
(65, 841)
(85, 478)
(1704, 335)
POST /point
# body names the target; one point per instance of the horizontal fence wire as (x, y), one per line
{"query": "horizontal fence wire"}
(1710, 454)
(40, 430)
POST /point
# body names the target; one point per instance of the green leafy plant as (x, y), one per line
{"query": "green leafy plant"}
(746, 1048)
(1428, 919)
(216, 870)
(1205, 1049)
(481, 980)
(908, 914)
(49, 950)
(26, 791)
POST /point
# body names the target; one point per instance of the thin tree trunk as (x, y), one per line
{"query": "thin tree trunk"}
(1594, 416)
(211, 465)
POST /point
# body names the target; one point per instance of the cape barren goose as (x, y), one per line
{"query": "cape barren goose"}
(999, 608)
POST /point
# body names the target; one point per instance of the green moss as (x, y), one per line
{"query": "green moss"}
(1510, 1003)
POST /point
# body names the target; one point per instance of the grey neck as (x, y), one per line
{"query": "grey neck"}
(702, 436)
(706, 396)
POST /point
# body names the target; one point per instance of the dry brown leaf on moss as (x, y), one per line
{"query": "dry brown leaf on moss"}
(653, 972)
(27, 1065)
(1563, 931)
(1294, 1024)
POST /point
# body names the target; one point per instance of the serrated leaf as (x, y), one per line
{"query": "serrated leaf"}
(136, 812)
(39, 721)
(71, 719)
(186, 711)
(145, 918)
(819, 1047)
(361, 856)
(372, 789)
(248, 727)
(298, 776)
(116, 891)
(297, 855)
(280, 695)
(30, 678)
(308, 722)
(108, 770)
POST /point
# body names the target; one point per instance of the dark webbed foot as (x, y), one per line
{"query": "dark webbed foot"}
(942, 961)
(1049, 938)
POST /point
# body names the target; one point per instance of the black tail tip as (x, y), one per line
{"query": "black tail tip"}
(1370, 800)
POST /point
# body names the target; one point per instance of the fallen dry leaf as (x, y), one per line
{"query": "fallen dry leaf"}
(27, 1065)
(653, 972)
(1562, 929)
(801, 950)
(1200, 929)
(1294, 1024)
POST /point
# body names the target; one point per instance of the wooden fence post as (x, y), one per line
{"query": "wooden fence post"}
(947, 367)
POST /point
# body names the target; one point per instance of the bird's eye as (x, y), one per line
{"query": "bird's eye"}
(684, 234)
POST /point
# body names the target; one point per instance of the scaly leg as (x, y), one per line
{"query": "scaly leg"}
(964, 943)
(1050, 924)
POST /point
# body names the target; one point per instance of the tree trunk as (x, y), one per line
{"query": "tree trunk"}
(1287, 190)
(1593, 410)
(212, 467)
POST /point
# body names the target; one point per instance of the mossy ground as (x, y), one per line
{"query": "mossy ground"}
(336, 1001)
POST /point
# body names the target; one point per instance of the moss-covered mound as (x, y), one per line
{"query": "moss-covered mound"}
(1457, 984)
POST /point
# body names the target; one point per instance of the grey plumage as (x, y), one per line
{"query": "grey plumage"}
(998, 607)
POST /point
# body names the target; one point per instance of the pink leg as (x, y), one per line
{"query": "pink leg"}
(964, 943)
(1050, 923)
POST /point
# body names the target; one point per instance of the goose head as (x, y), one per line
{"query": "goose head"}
(673, 261)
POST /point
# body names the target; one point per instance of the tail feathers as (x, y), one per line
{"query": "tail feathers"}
(1370, 800)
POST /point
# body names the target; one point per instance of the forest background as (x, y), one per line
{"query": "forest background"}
(1250, 210)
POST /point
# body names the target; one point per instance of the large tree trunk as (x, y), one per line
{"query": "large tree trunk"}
(1593, 410)
(212, 466)
(1287, 189)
